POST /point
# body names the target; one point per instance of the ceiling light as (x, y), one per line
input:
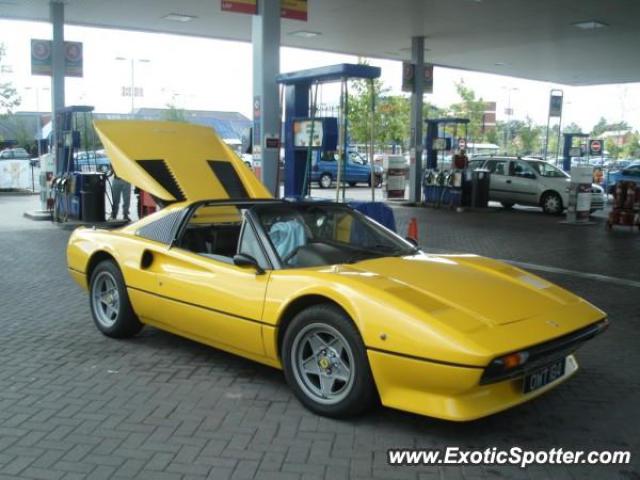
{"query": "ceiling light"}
(304, 34)
(590, 25)
(179, 17)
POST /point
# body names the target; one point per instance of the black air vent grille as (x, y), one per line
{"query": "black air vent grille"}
(160, 172)
(229, 179)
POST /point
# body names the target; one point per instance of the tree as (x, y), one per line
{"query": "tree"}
(600, 127)
(573, 127)
(361, 93)
(9, 98)
(529, 137)
(174, 114)
(392, 126)
(470, 107)
(632, 148)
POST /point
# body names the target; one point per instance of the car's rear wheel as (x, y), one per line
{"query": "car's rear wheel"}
(507, 205)
(325, 363)
(110, 305)
(353, 184)
(325, 180)
(552, 203)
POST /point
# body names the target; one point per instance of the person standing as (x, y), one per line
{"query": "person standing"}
(120, 188)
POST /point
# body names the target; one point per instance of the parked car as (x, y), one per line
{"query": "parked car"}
(629, 174)
(14, 154)
(92, 161)
(617, 164)
(528, 181)
(324, 169)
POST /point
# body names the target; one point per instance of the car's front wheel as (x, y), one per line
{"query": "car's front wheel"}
(507, 205)
(110, 305)
(552, 203)
(325, 362)
(325, 180)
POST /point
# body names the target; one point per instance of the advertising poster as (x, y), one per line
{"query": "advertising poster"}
(42, 58)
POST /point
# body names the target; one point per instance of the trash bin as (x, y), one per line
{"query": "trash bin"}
(480, 183)
(467, 186)
(92, 198)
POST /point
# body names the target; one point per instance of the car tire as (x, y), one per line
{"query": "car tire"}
(325, 363)
(551, 203)
(325, 180)
(353, 184)
(110, 306)
(507, 205)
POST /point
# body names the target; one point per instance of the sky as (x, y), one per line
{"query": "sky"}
(206, 74)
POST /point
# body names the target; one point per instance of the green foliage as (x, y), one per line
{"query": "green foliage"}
(516, 137)
(604, 126)
(469, 107)
(392, 125)
(572, 128)
(632, 148)
(361, 93)
(9, 98)
(174, 114)
(19, 131)
(528, 137)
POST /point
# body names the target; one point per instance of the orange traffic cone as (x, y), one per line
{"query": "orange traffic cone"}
(412, 231)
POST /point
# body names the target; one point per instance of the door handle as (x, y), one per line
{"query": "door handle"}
(508, 181)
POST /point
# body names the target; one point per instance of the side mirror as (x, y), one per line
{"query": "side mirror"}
(244, 260)
(412, 241)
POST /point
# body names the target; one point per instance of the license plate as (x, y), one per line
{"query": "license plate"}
(544, 376)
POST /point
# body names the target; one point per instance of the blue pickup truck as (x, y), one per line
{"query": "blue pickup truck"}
(324, 169)
(630, 173)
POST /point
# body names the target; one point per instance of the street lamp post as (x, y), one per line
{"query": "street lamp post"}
(39, 125)
(132, 92)
(509, 112)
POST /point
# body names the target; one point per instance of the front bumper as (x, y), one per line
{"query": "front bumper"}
(463, 393)
(446, 391)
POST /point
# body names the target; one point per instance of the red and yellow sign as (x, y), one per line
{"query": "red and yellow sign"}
(293, 9)
(240, 6)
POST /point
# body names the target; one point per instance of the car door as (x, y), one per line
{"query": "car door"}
(207, 297)
(327, 163)
(523, 183)
(499, 186)
(358, 169)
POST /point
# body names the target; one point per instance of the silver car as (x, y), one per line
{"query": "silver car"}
(528, 181)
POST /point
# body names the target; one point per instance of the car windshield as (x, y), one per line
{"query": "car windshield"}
(545, 169)
(308, 235)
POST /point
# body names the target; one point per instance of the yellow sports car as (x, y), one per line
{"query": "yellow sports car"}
(348, 309)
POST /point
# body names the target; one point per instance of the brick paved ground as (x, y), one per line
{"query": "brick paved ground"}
(75, 404)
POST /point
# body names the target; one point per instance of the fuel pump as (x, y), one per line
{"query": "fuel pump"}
(78, 195)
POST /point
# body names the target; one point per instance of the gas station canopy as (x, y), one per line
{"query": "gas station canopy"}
(574, 42)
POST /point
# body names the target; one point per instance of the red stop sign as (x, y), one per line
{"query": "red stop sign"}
(596, 146)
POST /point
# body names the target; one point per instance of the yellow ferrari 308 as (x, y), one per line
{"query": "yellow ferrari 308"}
(349, 310)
